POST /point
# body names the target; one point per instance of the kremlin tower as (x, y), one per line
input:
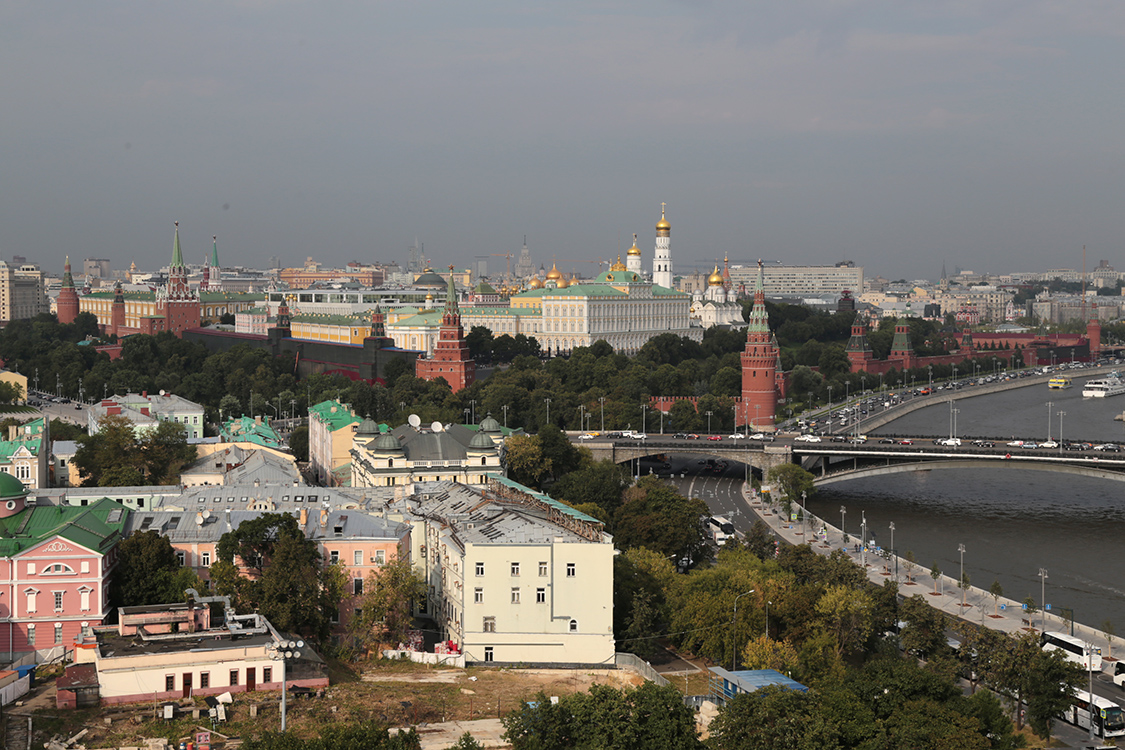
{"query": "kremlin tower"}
(67, 304)
(662, 260)
(451, 359)
(176, 302)
(759, 365)
(212, 280)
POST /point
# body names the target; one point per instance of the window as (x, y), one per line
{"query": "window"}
(234, 677)
(478, 596)
(31, 635)
(58, 600)
(267, 674)
(85, 566)
(488, 653)
(357, 587)
(570, 570)
(542, 569)
(515, 569)
(490, 624)
(181, 558)
(207, 559)
(204, 680)
(169, 682)
(480, 569)
(515, 596)
(84, 597)
(334, 556)
(31, 595)
(31, 569)
(574, 626)
(357, 557)
(380, 557)
(540, 596)
(58, 633)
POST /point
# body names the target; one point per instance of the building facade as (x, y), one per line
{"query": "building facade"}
(332, 429)
(147, 411)
(22, 292)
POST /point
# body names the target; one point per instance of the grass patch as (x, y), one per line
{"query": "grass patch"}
(17, 409)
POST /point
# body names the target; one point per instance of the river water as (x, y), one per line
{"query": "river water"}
(1011, 522)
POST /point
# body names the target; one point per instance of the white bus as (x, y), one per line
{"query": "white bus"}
(1073, 649)
(721, 529)
(1108, 718)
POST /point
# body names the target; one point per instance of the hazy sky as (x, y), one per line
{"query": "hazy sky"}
(988, 135)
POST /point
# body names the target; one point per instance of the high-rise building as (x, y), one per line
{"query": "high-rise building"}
(21, 292)
(524, 267)
(662, 260)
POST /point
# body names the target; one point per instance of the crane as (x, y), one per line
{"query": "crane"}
(509, 257)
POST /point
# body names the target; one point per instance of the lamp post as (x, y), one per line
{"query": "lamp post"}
(931, 369)
(830, 406)
(466, 410)
(581, 415)
(961, 580)
(768, 603)
(955, 413)
(863, 536)
(1042, 600)
(280, 651)
(734, 628)
(1061, 415)
(644, 416)
(1049, 405)
(893, 551)
(505, 408)
(708, 413)
(756, 408)
(843, 514)
(804, 498)
(602, 400)
(548, 410)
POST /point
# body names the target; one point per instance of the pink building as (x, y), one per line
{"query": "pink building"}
(55, 567)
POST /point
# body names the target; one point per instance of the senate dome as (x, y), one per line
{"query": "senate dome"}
(430, 280)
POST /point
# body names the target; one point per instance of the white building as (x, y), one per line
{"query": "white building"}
(796, 281)
(514, 576)
(146, 412)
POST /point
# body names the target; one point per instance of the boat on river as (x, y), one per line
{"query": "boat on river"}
(1111, 385)
(1059, 383)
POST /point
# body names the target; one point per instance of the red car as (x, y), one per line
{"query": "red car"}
(714, 437)
(906, 441)
(693, 436)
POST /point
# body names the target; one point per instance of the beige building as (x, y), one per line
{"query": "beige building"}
(407, 454)
(332, 428)
(515, 576)
(22, 293)
(785, 281)
(7, 376)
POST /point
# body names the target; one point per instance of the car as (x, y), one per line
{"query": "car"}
(887, 441)
(638, 436)
(714, 437)
(736, 436)
(692, 436)
(78, 407)
(679, 436)
(838, 438)
(1072, 446)
(1049, 444)
(1015, 444)
(587, 436)
(1108, 447)
(952, 442)
(1030, 445)
(758, 436)
(858, 440)
(807, 439)
(906, 441)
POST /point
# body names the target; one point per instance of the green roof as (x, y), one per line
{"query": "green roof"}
(97, 527)
(341, 418)
(231, 297)
(428, 318)
(482, 310)
(246, 430)
(177, 254)
(333, 320)
(8, 447)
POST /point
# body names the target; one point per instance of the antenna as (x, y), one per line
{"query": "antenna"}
(436, 426)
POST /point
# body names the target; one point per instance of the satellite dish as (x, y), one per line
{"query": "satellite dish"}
(414, 420)
(161, 391)
(206, 514)
(199, 520)
(436, 426)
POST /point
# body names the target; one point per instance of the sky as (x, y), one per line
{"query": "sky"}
(900, 135)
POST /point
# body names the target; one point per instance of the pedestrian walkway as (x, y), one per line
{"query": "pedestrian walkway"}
(973, 605)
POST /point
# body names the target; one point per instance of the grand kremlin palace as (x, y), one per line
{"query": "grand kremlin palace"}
(139, 305)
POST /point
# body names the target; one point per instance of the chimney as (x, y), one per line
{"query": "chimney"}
(12, 431)
(258, 419)
(144, 394)
(323, 518)
(144, 410)
(304, 516)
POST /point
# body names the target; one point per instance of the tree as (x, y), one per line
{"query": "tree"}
(846, 613)
(773, 718)
(760, 541)
(910, 564)
(1051, 683)
(148, 572)
(339, 735)
(924, 632)
(935, 573)
(1109, 633)
(793, 481)
(113, 446)
(10, 393)
(466, 742)
(387, 605)
(657, 517)
(299, 443)
(525, 461)
(230, 406)
(997, 591)
(764, 652)
(164, 451)
(255, 539)
(602, 483)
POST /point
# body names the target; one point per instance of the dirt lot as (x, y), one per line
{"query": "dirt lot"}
(396, 693)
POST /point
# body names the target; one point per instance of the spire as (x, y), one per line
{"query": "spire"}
(177, 254)
(451, 296)
(68, 280)
(214, 251)
(759, 321)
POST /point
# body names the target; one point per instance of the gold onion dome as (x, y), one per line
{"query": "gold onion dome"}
(663, 223)
(715, 279)
(535, 284)
(554, 273)
(561, 283)
(634, 250)
(618, 266)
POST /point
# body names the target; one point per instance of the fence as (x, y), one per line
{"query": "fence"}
(634, 663)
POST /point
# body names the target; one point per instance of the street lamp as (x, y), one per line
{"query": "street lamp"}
(601, 399)
(734, 629)
(768, 603)
(863, 537)
(931, 369)
(961, 580)
(548, 410)
(644, 419)
(893, 551)
(843, 514)
(829, 406)
(1049, 405)
(280, 651)
(473, 404)
(1061, 415)
(708, 413)
(1043, 600)
(581, 415)
(505, 408)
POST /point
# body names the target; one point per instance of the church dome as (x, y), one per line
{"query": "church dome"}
(715, 279)
(562, 283)
(481, 441)
(634, 250)
(387, 442)
(663, 223)
(489, 424)
(431, 280)
(554, 274)
(618, 266)
(367, 427)
(535, 284)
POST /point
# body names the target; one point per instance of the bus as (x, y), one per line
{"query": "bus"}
(721, 529)
(1074, 649)
(1108, 717)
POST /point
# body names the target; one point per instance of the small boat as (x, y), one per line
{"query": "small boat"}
(1111, 385)
(1059, 383)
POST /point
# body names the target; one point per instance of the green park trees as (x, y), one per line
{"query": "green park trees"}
(148, 572)
(117, 456)
(385, 611)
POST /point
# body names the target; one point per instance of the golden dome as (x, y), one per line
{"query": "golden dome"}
(663, 223)
(618, 266)
(561, 283)
(554, 273)
(535, 284)
(634, 250)
(429, 296)
(715, 279)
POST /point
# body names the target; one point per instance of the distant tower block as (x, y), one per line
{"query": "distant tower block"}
(662, 260)
(759, 366)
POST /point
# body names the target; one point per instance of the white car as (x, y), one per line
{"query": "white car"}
(949, 441)
(758, 436)
(638, 436)
(587, 436)
(807, 439)
(1015, 444)
(736, 436)
(1049, 444)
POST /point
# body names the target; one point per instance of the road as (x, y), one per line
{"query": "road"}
(65, 412)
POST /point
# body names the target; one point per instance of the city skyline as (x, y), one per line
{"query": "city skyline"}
(901, 138)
